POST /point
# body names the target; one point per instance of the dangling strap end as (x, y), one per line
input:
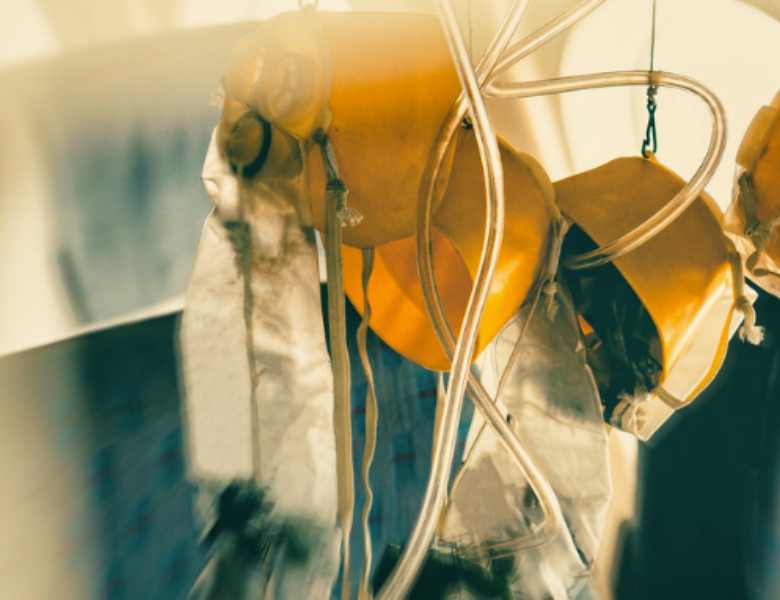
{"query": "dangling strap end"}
(749, 332)
(349, 216)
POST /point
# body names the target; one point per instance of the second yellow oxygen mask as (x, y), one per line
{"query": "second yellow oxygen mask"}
(754, 215)
(398, 311)
(662, 312)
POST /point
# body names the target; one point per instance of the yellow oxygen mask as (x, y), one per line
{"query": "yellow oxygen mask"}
(661, 314)
(382, 85)
(754, 214)
(398, 311)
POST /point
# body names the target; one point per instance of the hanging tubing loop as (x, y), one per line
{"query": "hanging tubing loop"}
(683, 198)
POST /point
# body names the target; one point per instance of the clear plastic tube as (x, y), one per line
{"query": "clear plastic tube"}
(479, 395)
(498, 44)
(492, 415)
(404, 575)
(543, 35)
(490, 412)
(496, 61)
(690, 190)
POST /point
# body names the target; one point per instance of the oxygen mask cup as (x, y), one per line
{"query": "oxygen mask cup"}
(552, 403)
(255, 364)
(662, 314)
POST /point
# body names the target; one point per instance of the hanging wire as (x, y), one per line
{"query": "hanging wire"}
(652, 91)
(471, 33)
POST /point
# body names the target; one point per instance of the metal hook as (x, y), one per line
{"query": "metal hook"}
(652, 90)
(651, 131)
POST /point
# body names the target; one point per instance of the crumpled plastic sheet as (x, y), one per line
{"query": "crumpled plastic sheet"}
(625, 352)
(252, 331)
(552, 403)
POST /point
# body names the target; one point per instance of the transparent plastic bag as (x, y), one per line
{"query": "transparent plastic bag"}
(255, 364)
(552, 403)
(626, 356)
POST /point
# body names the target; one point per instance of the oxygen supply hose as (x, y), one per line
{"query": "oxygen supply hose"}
(404, 575)
(545, 495)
